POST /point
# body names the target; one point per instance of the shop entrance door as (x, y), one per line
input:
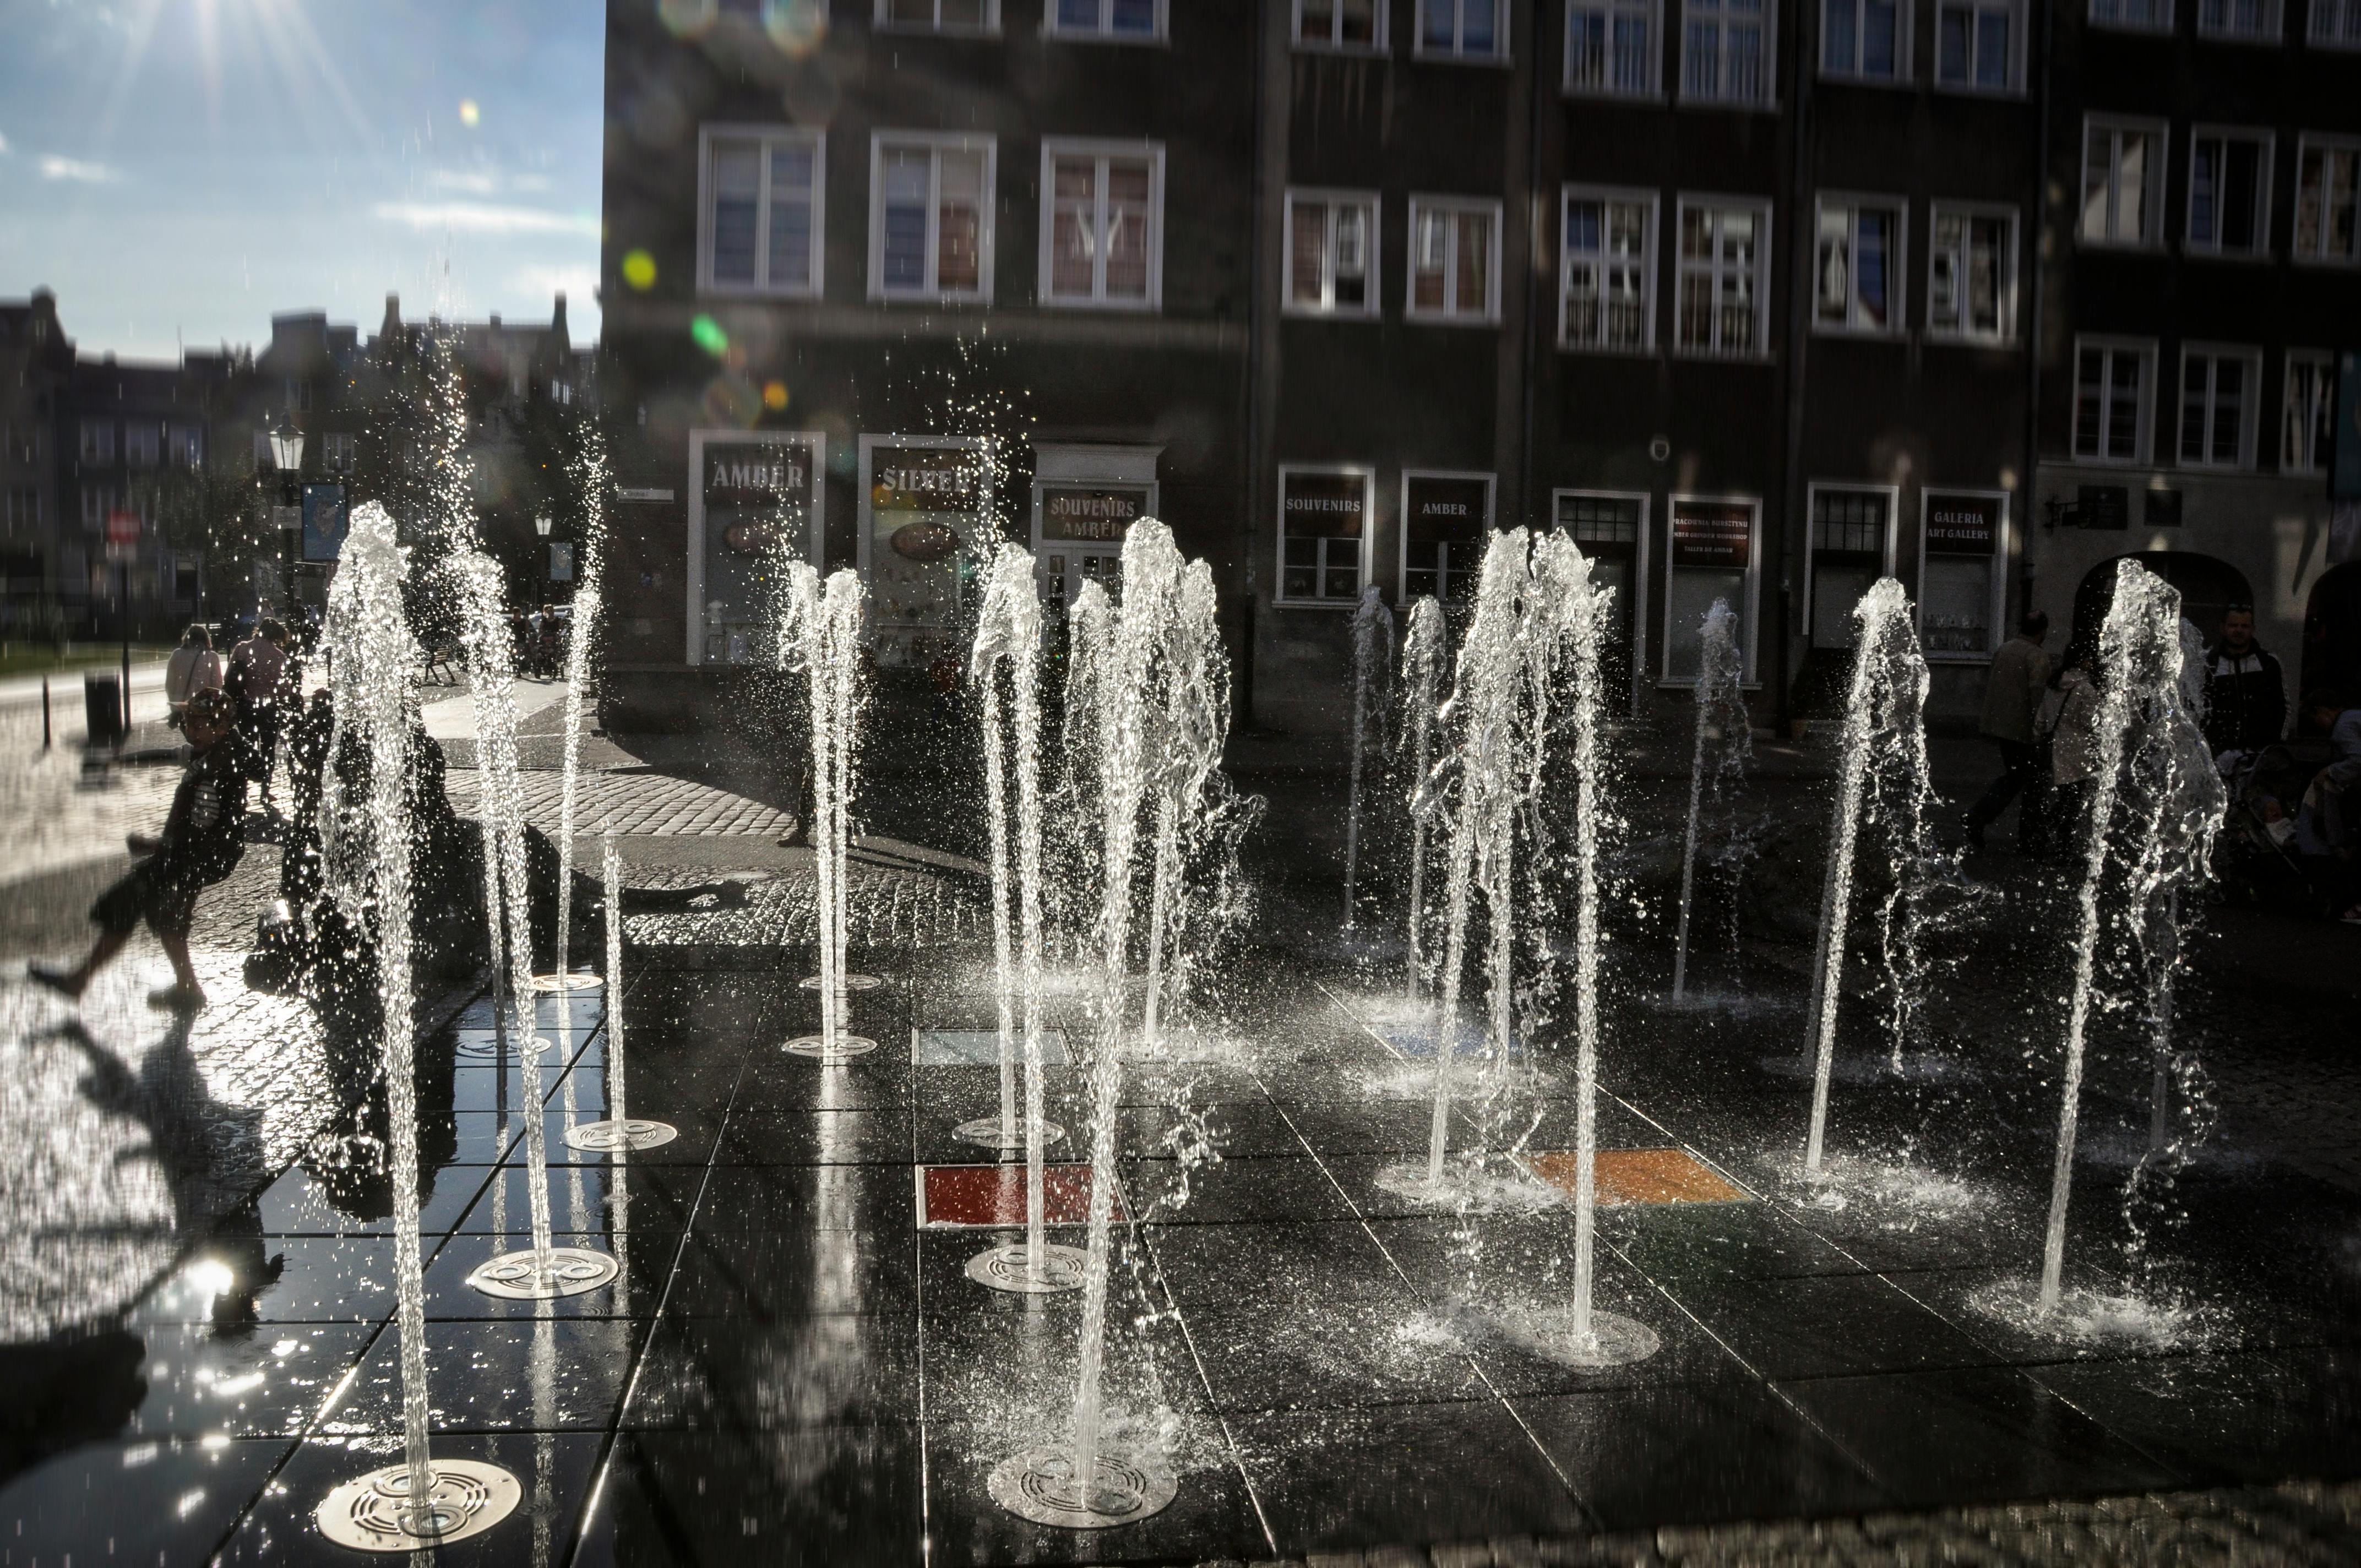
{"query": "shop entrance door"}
(1063, 568)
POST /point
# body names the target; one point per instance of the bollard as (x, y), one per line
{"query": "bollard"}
(45, 713)
(127, 687)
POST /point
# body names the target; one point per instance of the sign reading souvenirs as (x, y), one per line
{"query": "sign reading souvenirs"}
(756, 495)
(1447, 509)
(1325, 506)
(1717, 534)
(1098, 516)
(1962, 525)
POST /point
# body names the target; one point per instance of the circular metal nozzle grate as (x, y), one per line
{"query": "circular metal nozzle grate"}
(1039, 1484)
(375, 1512)
(986, 1132)
(1009, 1268)
(608, 1137)
(845, 982)
(583, 981)
(519, 1277)
(847, 1048)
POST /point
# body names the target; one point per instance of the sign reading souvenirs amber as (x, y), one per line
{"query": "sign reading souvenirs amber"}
(1325, 506)
(1712, 534)
(925, 478)
(1447, 510)
(1090, 516)
(1962, 524)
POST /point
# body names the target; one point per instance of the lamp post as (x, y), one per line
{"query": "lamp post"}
(287, 457)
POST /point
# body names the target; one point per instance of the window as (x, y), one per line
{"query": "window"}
(1454, 260)
(338, 450)
(2229, 192)
(2255, 21)
(2123, 182)
(1723, 253)
(1610, 47)
(2111, 400)
(2307, 408)
(1102, 226)
(1857, 266)
(97, 501)
(1711, 556)
(1976, 45)
(760, 233)
(940, 16)
(1340, 24)
(2336, 23)
(1463, 29)
(24, 508)
(1971, 275)
(1863, 39)
(24, 441)
(931, 217)
(1608, 289)
(2217, 402)
(1851, 536)
(1726, 52)
(97, 441)
(2142, 15)
(1142, 19)
(1446, 524)
(187, 446)
(1322, 517)
(297, 395)
(1332, 253)
(142, 443)
(2327, 194)
(1963, 553)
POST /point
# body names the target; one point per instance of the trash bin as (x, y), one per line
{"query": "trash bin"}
(101, 707)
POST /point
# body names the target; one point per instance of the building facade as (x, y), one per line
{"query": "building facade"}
(2204, 271)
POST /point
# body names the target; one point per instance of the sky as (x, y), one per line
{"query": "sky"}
(177, 171)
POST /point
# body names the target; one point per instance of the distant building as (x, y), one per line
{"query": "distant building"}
(2204, 267)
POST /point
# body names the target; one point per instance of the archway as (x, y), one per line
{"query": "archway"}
(2332, 632)
(2207, 586)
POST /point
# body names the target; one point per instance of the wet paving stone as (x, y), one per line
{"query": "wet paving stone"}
(152, 1500)
(552, 1374)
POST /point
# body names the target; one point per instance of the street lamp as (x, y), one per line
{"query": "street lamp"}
(287, 456)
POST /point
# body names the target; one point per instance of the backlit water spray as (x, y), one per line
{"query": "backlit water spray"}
(1422, 678)
(1373, 649)
(1724, 742)
(820, 630)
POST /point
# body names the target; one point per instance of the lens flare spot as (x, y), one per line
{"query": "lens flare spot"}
(733, 400)
(640, 270)
(710, 335)
(470, 115)
(796, 27)
(775, 396)
(686, 18)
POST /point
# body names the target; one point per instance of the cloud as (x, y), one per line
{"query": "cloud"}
(577, 283)
(4, 144)
(475, 182)
(77, 170)
(482, 217)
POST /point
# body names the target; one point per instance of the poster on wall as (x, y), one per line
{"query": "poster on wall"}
(756, 498)
(928, 530)
(323, 521)
(1713, 534)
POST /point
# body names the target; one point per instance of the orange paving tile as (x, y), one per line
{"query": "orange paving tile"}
(1640, 1176)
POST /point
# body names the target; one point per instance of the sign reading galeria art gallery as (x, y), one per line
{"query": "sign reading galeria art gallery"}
(1329, 505)
(1096, 515)
(1962, 524)
(1718, 534)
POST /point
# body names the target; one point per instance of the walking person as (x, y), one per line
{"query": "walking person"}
(193, 667)
(204, 838)
(2074, 753)
(2014, 689)
(2245, 693)
(258, 668)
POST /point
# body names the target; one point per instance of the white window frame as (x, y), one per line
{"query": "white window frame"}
(1751, 614)
(1100, 151)
(1105, 33)
(1652, 89)
(339, 452)
(1936, 212)
(1639, 559)
(1374, 206)
(1503, 10)
(2152, 196)
(1369, 525)
(1812, 490)
(937, 143)
(2162, 24)
(765, 135)
(1377, 26)
(2004, 550)
(1904, 36)
(2264, 169)
(2144, 438)
(2305, 145)
(1401, 520)
(2316, 439)
(883, 20)
(1897, 264)
(1567, 196)
(2317, 31)
(2019, 22)
(1764, 214)
(1768, 102)
(2251, 405)
(1449, 314)
(2274, 28)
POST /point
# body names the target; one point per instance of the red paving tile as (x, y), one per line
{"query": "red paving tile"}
(1640, 1176)
(993, 1196)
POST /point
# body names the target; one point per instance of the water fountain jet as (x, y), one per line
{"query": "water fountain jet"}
(1373, 644)
(1724, 743)
(820, 627)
